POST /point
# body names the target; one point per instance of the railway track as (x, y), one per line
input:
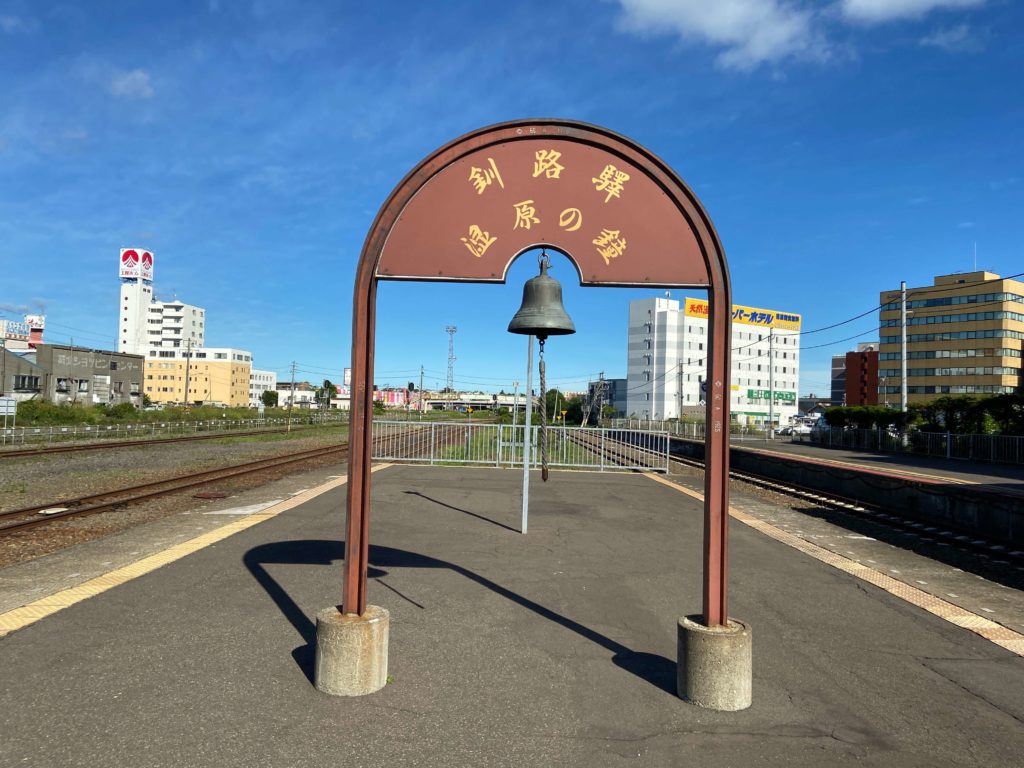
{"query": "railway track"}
(856, 508)
(41, 514)
(71, 448)
(29, 517)
(621, 453)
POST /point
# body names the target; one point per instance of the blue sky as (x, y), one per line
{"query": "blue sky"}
(838, 146)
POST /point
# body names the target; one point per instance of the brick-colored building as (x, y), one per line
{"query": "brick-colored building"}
(862, 377)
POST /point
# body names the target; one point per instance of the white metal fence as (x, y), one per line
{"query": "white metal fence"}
(501, 445)
(997, 448)
(145, 430)
(693, 430)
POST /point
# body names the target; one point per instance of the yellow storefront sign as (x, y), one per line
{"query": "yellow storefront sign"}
(765, 318)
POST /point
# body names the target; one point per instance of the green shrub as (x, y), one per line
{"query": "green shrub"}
(43, 413)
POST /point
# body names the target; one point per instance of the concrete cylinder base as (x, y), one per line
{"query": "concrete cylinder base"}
(351, 651)
(714, 664)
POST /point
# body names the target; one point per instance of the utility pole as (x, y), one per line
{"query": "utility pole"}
(526, 434)
(679, 391)
(771, 384)
(291, 399)
(421, 393)
(601, 385)
(903, 346)
(3, 365)
(188, 368)
(450, 330)
(515, 405)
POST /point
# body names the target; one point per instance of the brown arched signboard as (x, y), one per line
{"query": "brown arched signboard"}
(620, 214)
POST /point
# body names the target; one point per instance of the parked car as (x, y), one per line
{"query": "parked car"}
(801, 429)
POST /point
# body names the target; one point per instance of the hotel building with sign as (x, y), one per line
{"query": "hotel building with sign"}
(964, 337)
(667, 361)
(147, 326)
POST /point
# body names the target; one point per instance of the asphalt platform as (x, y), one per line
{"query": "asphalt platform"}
(554, 648)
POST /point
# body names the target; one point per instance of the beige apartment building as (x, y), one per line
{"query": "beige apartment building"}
(964, 337)
(216, 376)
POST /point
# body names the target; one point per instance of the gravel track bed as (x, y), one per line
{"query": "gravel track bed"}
(40, 480)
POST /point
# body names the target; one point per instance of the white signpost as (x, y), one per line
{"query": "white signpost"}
(8, 407)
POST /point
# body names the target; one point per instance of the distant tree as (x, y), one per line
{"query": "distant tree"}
(378, 407)
(269, 398)
(552, 399)
(1007, 412)
(574, 410)
(864, 417)
(412, 386)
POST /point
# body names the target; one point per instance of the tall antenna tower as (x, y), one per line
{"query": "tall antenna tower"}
(450, 330)
(595, 398)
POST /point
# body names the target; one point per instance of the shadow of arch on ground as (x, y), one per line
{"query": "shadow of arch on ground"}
(656, 670)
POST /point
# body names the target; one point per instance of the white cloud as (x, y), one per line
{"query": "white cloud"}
(752, 32)
(876, 11)
(955, 39)
(134, 84)
(12, 24)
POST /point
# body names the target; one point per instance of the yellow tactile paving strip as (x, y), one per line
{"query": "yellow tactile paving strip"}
(58, 601)
(954, 614)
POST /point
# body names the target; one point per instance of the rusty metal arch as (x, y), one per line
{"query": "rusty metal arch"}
(691, 255)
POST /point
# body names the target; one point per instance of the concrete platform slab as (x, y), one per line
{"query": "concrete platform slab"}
(506, 650)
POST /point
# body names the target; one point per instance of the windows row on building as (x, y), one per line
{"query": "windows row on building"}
(965, 317)
(952, 389)
(993, 370)
(937, 354)
(990, 333)
(946, 301)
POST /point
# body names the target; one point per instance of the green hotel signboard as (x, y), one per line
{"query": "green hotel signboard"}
(764, 394)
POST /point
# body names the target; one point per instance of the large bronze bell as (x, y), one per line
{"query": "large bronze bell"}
(542, 313)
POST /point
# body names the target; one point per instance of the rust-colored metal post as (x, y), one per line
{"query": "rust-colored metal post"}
(357, 517)
(716, 456)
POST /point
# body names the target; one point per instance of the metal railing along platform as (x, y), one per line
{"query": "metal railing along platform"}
(501, 445)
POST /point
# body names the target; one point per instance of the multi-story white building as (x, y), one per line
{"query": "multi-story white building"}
(667, 361)
(260, 382)
(300, 395)
(147, 325)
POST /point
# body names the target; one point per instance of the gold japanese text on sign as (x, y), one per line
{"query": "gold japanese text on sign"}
(497, 201)
(608, 243)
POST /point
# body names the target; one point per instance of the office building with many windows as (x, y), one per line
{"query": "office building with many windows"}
(964, 337)
(667, 361)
